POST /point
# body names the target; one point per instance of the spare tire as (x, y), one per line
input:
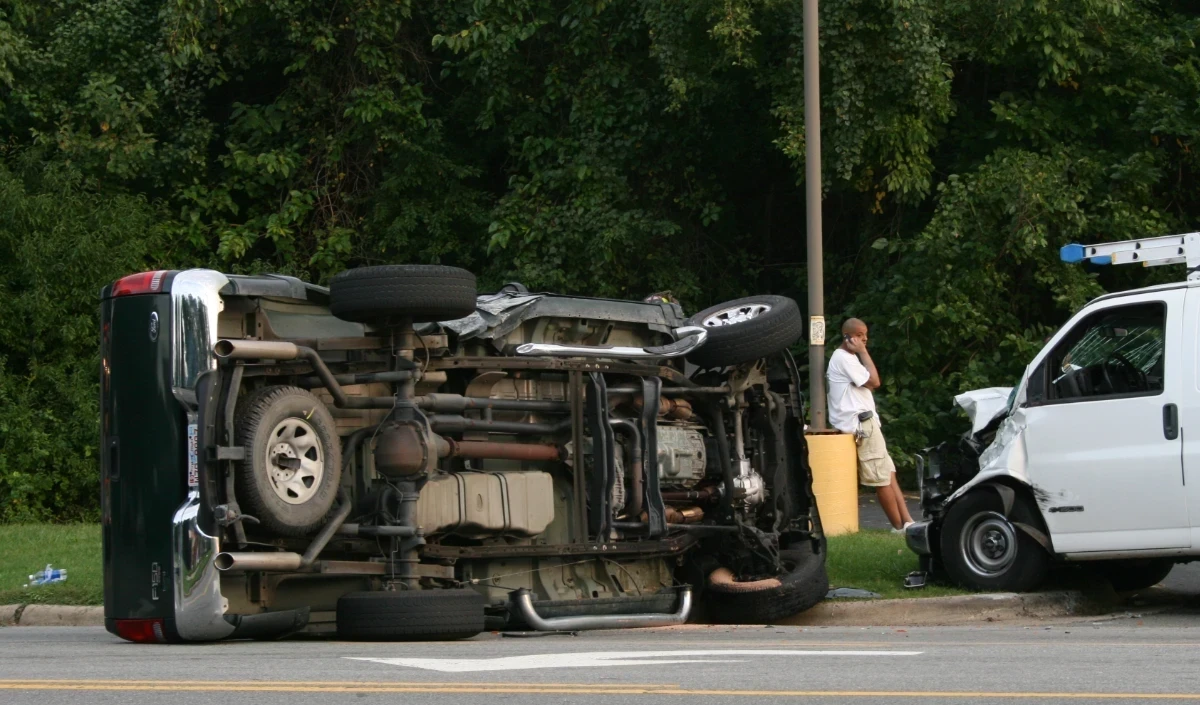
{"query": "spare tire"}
(422, 292)
(744, 330)
(803, 584)
(410, 615)
(288, 478)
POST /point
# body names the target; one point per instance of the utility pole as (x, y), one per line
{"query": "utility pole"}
(812, 189)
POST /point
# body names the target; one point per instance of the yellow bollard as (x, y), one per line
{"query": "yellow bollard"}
(833, 458)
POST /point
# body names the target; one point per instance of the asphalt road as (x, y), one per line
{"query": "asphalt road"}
(1133, 659)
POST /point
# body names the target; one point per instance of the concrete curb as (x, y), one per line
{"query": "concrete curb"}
(913, 612)
(950, 611)
(51, 616)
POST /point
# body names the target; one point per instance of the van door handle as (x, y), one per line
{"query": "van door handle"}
(1171, 421)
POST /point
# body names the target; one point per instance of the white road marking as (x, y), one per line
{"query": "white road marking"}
(593, 659)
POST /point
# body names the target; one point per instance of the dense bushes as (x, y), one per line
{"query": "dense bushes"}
(60, 242)
(614, 148)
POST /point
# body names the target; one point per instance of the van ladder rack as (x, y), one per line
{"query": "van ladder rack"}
(1149, 252)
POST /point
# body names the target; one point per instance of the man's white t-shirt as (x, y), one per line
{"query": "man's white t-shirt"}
(847, 395)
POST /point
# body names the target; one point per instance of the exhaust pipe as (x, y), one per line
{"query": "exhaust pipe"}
(256, 349)
(250, 562)
(524, 601)
(226, 349)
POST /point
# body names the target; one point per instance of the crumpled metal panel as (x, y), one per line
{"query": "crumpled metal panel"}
(1005, 457)
(984, 405)
(495, 316)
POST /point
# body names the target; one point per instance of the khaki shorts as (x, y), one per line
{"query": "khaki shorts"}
(875, 466)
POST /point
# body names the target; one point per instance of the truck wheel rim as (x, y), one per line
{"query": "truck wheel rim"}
(735, 314)
(294, 441)
(989, 544)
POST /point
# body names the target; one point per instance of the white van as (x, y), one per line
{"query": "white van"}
(1090, 457)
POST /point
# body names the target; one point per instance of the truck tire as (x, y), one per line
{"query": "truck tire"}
(744, 330)
(422, 292)
(983, 550)
(803, 584)
(1135, 574)
(410, 615)
(289, 477)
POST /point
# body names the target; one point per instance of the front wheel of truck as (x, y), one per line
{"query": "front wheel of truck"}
(982, 549)
(732, 599)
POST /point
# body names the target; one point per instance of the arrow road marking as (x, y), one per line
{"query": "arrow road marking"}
(594, 659)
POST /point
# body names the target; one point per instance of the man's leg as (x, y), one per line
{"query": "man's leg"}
(887, 501)
(901, 504)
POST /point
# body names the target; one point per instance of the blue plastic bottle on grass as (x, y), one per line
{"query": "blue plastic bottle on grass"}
(48, 575)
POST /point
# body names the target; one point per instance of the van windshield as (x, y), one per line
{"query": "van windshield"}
(1118, 351)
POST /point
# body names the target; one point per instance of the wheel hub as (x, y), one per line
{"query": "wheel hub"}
(295, 461)
(735, 314)
(989, 544)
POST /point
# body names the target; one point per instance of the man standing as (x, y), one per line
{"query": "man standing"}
(852, 376)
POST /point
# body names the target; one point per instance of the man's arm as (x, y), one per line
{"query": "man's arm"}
(853, 345)
(873, 381)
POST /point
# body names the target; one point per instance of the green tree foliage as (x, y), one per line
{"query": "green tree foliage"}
(60, 242)
(618, 147)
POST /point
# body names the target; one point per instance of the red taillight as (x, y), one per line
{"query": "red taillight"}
(142, 631)
(144, 283)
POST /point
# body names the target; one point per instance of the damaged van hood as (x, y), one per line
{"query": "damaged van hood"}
(984, 405)
(1007, 455)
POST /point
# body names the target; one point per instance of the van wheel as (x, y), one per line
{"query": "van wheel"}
(1135, 574)
(293, 460)
(803, 584)
(744, 330)
(422, 292)
(982, 550)
(410, 615)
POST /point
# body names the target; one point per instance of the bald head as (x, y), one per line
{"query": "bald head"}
(853, 326)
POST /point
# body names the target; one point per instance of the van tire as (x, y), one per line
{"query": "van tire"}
(287, 421)
(410, 615)
(1135, 574)
(768, 332)
(804, 584)
(387, 293)
(983, 550)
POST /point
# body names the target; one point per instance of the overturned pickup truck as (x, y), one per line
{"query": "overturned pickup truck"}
(396, 457)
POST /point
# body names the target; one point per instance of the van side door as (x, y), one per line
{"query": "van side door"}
(1189, 408)
(1103, 428)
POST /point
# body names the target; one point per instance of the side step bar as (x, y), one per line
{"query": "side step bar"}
(687, 339)
(523, 599)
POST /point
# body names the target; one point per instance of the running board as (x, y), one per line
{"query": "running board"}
(523, 599)
(688, 338)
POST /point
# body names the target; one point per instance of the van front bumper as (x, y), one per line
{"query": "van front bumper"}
(917, 538)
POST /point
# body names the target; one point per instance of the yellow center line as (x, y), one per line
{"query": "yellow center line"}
(548, 689)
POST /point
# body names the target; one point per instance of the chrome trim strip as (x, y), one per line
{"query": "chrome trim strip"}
(199, 606)
(524, 601)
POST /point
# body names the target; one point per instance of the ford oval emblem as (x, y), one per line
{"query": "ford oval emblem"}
(153, 325)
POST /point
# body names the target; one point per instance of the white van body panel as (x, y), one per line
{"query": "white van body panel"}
(1107, 480)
